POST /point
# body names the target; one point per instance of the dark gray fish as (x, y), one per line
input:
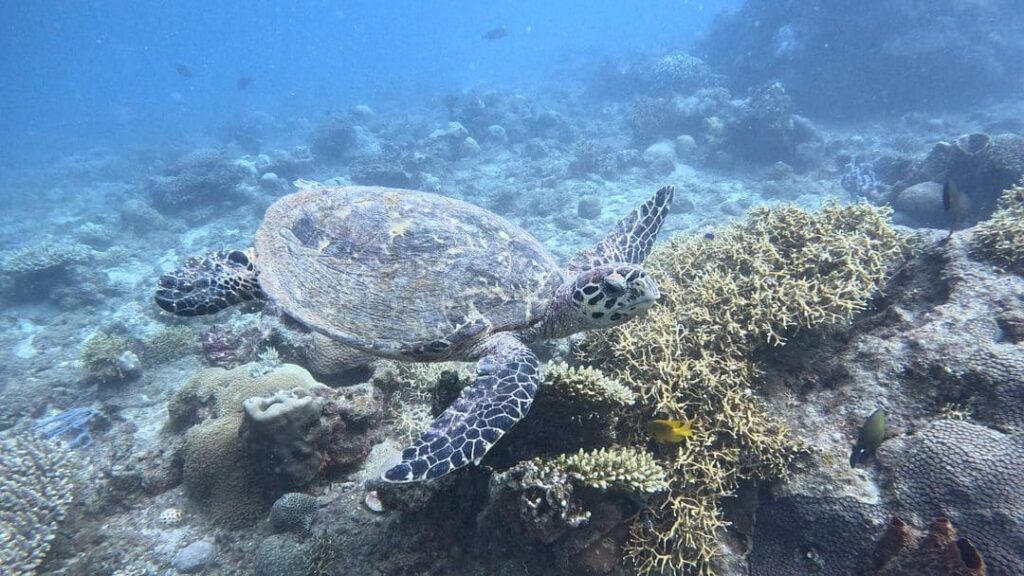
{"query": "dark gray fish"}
(871, 436)
(954, 203)
(183, 70)
(243, 82)
(496, 33)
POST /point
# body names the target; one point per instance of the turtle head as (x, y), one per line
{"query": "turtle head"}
(612, 294)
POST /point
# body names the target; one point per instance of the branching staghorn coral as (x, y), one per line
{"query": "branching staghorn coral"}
(35, 494)
(749, 285)
(1001, 237)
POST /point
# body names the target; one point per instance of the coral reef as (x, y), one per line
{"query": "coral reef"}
(828, 535)
(35, 272)
(979, 165)
(199, 180)
(970, 474)
(1001, 237)
(282, 432)
(282, 555)
(293, 512)
(692, 358)
(35, 494)
(169, 343)
(340, 137)
(107, 358)
(544, 493)
(761, 128)
(627, 470)
(217, 467)
(901, 552)
(898, 66)
(228, 346)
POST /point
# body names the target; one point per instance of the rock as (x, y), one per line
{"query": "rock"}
(469, 147)
(496, 133)
(362, 112)
(589, 208)
(195, 557)
(270, 181)
(686, 147)
(662, 151)
(921, 205)
(373, 503)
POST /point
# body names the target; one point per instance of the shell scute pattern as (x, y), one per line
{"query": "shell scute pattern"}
(381, 268)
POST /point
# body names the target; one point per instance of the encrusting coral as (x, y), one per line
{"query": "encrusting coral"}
(217, 467)
(724, 295)
(1001, 237)
(169, 344)
(35, 494)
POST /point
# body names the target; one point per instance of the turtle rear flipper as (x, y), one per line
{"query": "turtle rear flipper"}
(632, 238)
(209, 284)
(499, 396)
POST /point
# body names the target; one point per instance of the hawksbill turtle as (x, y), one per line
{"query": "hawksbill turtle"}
(416, 276)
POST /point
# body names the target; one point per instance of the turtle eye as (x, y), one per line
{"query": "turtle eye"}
(614, 285)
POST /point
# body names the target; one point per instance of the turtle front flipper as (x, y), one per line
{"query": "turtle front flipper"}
(499, 396)
(209, 284)
(632, 238)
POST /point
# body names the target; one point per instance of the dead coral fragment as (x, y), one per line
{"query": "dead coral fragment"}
(35, 494)
(1001, 237)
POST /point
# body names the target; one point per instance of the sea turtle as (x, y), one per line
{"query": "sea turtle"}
(417, 276)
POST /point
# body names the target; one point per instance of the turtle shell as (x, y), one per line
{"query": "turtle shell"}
(389, 270)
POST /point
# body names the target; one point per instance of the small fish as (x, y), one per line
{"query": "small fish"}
(709, 235)
(954, 203)
(496, 33)
(183, 70)
(243, 82)
(670, 431)
(871, 435)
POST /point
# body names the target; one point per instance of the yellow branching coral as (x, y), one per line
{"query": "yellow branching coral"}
(690, 358)
(1001, 237)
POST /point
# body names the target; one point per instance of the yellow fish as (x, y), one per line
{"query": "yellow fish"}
(670, 431)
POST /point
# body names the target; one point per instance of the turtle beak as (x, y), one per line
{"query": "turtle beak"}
(645, 292)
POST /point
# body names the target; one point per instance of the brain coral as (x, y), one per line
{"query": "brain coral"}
(970, 474)
(217, 466)
(35, 493)
(831, 536)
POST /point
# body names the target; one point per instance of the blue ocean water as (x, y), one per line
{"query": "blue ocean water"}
(82, 74)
